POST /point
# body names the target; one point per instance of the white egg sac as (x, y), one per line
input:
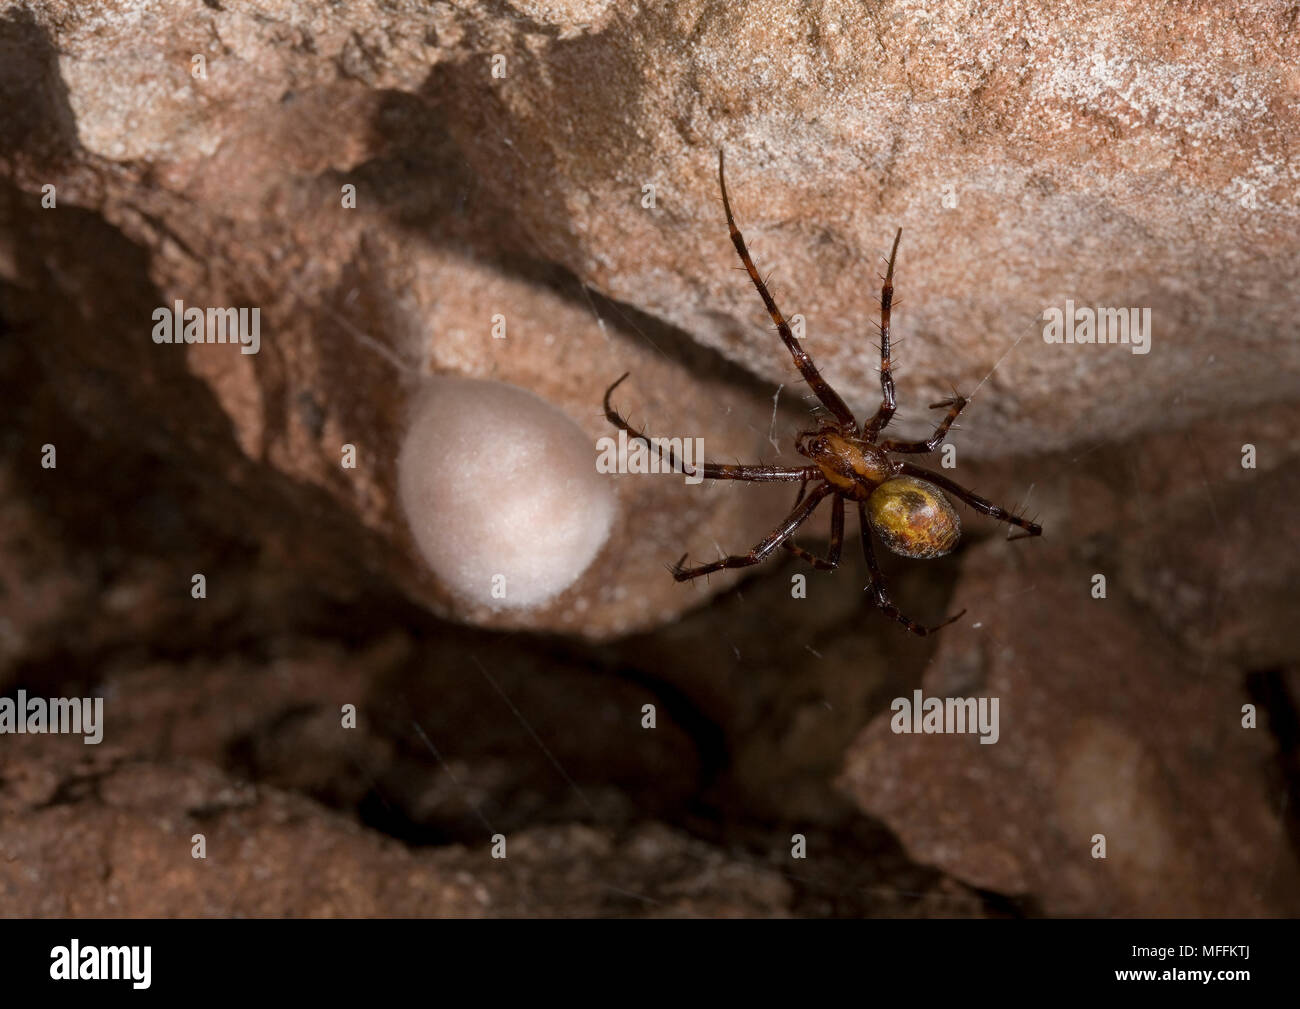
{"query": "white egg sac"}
(501, 492)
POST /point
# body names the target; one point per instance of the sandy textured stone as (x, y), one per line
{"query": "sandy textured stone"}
(1123, 715)
(1127, 158)
(117, 843)
(1123, 157)
(1103, 731)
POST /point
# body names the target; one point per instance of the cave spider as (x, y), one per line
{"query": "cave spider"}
(902, 503)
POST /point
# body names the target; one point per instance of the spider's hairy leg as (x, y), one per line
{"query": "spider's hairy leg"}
(712, 471)
(879, 594)
(832, 559)
(828, 396)
(773, 540)
(955, 406)
(888, 402)
(974, 500)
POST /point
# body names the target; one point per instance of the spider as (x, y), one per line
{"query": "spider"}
(902, 503)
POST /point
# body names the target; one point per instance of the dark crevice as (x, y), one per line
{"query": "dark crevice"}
(376, 812)
(678, 706)
(1001, 906)
(1278, 707)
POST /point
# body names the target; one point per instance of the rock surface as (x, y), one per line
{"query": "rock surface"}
(1132, 158)
(1123, 716)
(127, 852)
(536, 203)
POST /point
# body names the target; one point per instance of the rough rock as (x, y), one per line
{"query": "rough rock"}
(1133, 157)
(1128, 158)
(106, 837)
(1120, 716)
(1118, 157)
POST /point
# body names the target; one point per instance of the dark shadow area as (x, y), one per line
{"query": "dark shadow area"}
(36, 120)
(1278, 708)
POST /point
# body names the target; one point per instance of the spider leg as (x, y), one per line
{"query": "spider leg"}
(880, 595)
(832, 559)
(974, 500)
(828, 396)
(888, 403)
(712, 471)
(773, 540)
(955, 406)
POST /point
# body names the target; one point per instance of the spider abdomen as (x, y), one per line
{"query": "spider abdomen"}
(913, 518)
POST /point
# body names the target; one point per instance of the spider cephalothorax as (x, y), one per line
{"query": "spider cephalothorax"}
(902, 503)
